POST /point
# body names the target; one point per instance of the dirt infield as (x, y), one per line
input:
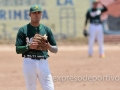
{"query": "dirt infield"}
(71, 69)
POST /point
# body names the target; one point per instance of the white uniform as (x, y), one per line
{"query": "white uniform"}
(34, 69)
(95, 29)
(96, 33)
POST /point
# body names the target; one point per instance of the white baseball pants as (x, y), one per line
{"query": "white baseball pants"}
(34, 69)
(96, 32)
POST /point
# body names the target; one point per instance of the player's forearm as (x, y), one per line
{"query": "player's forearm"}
(104, 8)
(21, 49)
(86, 22)
(53, 49)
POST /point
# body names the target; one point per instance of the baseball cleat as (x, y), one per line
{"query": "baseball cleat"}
(102, 56)
(89, 55)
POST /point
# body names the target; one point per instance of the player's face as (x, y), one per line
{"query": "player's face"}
(35, 16)
(95, 5)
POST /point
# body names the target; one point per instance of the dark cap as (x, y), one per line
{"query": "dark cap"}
(95, 2)
(35, 8)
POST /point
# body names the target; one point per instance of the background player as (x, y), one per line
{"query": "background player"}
(35, 60)
(95, 29)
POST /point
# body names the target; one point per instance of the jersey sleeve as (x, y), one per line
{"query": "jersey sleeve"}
(104, 9)
(20, 38)
(87, 14)
(21, 42)
(51, 38)
(87, 18)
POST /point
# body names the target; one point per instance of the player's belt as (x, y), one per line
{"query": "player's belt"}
(95, 23)
(34, 57)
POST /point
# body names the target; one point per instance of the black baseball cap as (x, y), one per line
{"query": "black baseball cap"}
(95, 2)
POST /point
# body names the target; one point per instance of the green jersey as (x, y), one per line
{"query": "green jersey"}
(27, 32)
(94, 15)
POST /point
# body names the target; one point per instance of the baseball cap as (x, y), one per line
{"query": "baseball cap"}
(35, 8)
(94, 2)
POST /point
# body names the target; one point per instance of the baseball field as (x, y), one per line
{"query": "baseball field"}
(71, 68)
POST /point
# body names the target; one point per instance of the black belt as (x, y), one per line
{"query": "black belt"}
(34, 57)
(95, 23)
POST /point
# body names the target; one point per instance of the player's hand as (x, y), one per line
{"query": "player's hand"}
(98, 1)
(33, 45)
(85, 33)
(45, 47)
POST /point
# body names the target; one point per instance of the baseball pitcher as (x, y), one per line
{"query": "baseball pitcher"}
(33, 41)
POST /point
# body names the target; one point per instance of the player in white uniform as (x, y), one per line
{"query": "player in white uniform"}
(95, 28)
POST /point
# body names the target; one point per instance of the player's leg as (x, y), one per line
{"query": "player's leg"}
(100, 39)
(44, 75)
(92, 36)
(29, 70)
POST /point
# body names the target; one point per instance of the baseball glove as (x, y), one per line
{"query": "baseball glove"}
(42, 41)
(85, 33)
